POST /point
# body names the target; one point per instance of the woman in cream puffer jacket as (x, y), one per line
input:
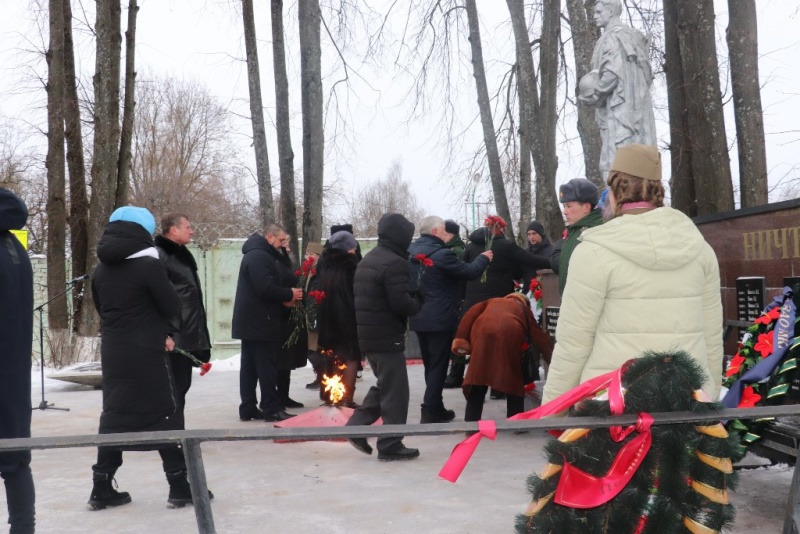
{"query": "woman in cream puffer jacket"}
(644, 281)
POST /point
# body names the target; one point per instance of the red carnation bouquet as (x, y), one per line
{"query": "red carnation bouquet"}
(297, 316)
(424, 262)
(535, 296)
(493, 226)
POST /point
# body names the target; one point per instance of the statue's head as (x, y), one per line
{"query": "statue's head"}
(605, 11)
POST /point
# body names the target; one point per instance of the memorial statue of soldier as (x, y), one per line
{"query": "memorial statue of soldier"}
(618, 85)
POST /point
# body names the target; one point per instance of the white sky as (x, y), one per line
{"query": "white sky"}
(202, 41)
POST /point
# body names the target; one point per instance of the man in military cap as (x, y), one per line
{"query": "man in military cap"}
(579, 198)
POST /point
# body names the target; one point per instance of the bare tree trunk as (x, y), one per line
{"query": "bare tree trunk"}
(285, 154)
(266, 209)
(57, 315)
(584, 37)
(313, 138)
(106, 138)
(742, 36)
(526, 89)
(78, 201)
(489, 138)
(524, 185)
(710, 161)
(546, 121)
(682, 180)
(128, 109)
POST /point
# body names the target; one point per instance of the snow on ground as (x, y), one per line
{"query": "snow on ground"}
(308, 486)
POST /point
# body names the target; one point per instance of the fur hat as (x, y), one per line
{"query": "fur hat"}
(452, 227)
(137, 215)
(343, 240)
(314, 248)
(537, 227)
(642, 161)
(579, 190)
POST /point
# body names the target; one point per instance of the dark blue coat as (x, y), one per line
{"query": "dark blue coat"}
(16, 318)
(265, 282)
(440, 283)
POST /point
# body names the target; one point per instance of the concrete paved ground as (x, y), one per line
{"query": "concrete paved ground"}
(315, 486)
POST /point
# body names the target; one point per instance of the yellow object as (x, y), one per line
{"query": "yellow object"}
(536, 506)
(720, 464)
(550, 470)
(22, 236)
(719, 496)
(715, 431)
(696, 528)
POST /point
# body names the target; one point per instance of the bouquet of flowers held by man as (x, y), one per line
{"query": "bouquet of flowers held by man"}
(423, 262)
(493, 226)
(297, 316)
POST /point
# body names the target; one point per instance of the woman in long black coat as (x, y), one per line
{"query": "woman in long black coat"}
(336, 313)
(16, 318)
(136, 302)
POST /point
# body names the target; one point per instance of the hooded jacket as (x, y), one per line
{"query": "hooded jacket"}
(16, 318)
(336, 314)
(646, 282)
(381, 291)
(265, 281)
(440, 284)
(191, 331)
(510, 263)
(137, 304)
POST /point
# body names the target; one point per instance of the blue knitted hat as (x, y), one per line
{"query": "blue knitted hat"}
(137, 215)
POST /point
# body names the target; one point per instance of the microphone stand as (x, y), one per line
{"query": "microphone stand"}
(44, 405)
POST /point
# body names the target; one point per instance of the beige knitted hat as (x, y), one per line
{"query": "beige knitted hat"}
(643, 161)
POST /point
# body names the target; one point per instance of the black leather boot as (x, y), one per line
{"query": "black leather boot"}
(455, 376)
(104, 494)
(180, 493)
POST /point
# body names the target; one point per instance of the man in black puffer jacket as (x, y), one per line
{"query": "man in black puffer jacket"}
(189, 331)
(437, 321)
(264, 293)
(383, 304)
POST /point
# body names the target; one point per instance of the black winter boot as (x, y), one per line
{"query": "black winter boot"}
(436, 415)
(180, 493)
(104, 494)
(455, 376)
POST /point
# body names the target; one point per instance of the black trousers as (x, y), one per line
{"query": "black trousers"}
(109, 459)
(259, 366)
(387, 399)
(435, 349)
(477, 394)
(21, 499)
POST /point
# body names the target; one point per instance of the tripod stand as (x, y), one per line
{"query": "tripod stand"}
(44, 405)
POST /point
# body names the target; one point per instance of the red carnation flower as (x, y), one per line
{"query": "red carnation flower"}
(424, 260)
(534, 284)
(204, 368)
(318, 296)
(525, 346)
(537, 294)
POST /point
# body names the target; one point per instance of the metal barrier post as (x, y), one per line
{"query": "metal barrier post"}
(791, 522)
(197, 480)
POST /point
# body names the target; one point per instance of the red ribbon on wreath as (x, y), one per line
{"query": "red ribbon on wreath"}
(576, 488)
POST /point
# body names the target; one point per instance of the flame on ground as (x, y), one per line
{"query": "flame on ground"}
(334, 387)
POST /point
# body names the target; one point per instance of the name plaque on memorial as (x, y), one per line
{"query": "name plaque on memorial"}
(551, 314)
(749, 297)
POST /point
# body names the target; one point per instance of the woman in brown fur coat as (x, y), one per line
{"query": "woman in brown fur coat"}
(495, 333)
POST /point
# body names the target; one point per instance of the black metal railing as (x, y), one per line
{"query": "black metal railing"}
(191, 440)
